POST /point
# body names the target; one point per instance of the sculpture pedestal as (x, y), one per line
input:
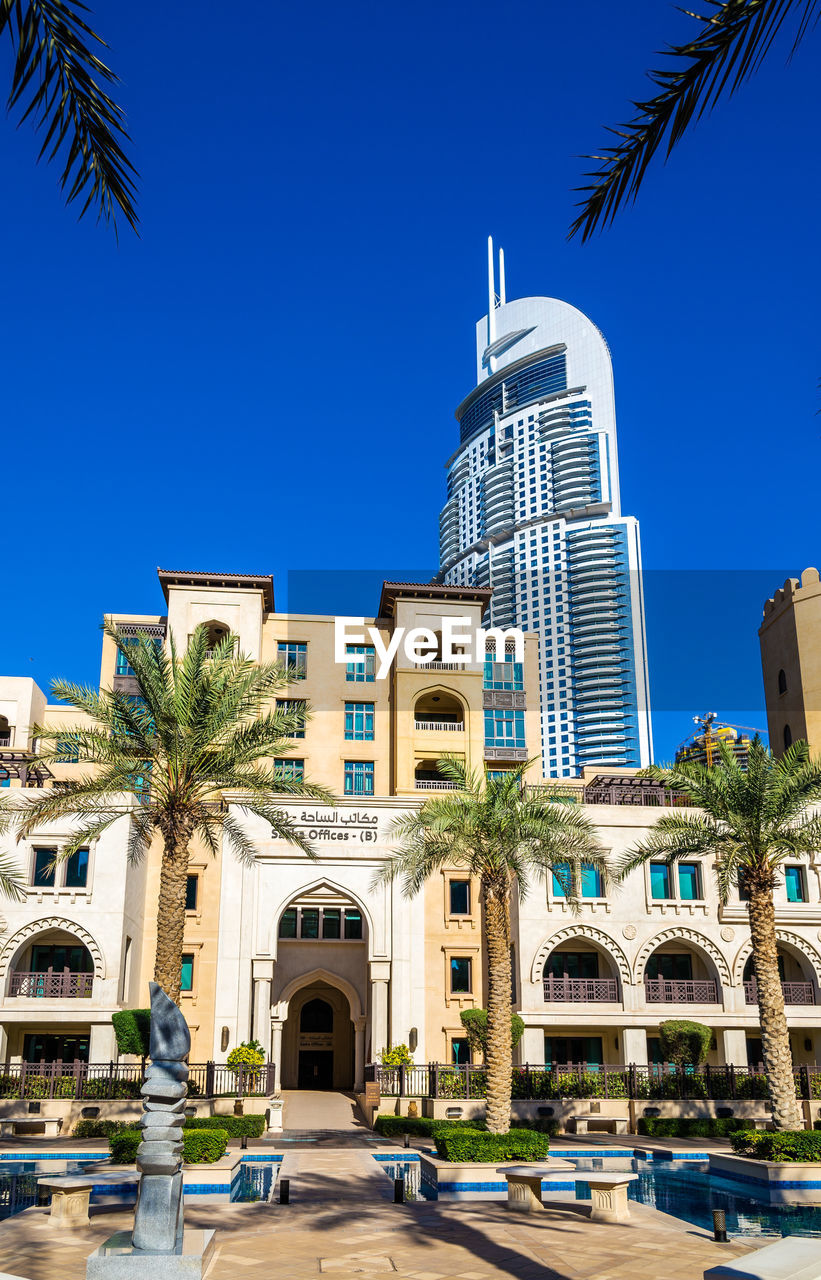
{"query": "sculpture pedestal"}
(117, 1260)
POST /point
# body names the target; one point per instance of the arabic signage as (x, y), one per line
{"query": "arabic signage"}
(345, 826)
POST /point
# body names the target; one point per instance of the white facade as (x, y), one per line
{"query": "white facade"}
(534, 512)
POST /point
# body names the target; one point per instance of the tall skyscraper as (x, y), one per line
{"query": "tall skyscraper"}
(533, 511)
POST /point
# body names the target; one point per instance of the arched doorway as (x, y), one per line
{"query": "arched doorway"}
(317, 1041)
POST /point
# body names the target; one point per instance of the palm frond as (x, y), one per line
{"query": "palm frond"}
(57, 82)
(728, 49)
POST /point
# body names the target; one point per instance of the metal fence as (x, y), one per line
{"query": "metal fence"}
(101, 1081)
(661, 1080)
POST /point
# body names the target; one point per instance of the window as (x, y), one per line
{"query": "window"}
(358, 777)
(123, 668)
(187, 980)
(331, 921)
(359, 721)
(561, 880)
(796, 884)
(689, 881)
(287, 923)
(77, 869)
(289, 769)
(361, 663)
(572, 964)
(353, 925)
(294, 707)
(592, 886)
(505, 728)
(504, 675)
(460, 897)
(192, 884)
(68, 751)
(566, 1049)
(782, 681)
(787, 736)
(294, 658)
(659, 880)
(459, 1050)
(460, 975)
(310, 922)
(59, 956)
(671, 966)
(44, 869)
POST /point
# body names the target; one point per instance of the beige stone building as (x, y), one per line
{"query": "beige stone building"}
(790, 636)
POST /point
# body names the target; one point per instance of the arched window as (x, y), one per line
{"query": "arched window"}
(787, 736)
(782, 681)
(217, 632)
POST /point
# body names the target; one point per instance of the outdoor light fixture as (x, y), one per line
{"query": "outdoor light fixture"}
(720, 1226)
(413, 1039)
(224, 1039)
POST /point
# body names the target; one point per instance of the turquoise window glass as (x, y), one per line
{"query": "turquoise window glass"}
(359, 721)
(358, 777)
(794, 880)
(44, 873)
(361, 665)
(294, 657)
(187, 980)
(659, 880)
(559, 884)
(77, 869)
(591, 882)
(689, 881)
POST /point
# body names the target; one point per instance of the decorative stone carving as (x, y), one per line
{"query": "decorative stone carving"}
(629, 931)
(801, 945)
(604, 940)
(158, 1216)
(728, 933)
(684, 934)
(34, 927)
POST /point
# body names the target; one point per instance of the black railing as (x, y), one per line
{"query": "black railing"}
(101, 1081)
(661, 1080)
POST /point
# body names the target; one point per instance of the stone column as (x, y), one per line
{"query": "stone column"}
(276, 1049)
(634, 1046)
(102, 1046)
(263, 975)
(380, 972)
(734, 1043)
(359, 1025)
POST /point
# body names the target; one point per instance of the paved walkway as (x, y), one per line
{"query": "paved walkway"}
(313, 1110)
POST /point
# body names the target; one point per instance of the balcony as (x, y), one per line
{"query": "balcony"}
(581, 990)
(429, 784)
(794, 992)
(439, 726)
(680, 991)
(52, 984)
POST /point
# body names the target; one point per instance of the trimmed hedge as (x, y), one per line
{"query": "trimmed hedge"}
(681, 1127)
(132, 1030)
(234, 1126)
(473, 1145)
(102, 1128)
(199, 1146)
(786, 1145)
(543, 1124)
(419, 1126)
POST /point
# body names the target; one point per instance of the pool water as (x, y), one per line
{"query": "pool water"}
(254, 1182)
(411, 1171)
(685, 1189)
(18, 1182)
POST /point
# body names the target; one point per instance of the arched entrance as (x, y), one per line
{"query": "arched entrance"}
(317, 1040)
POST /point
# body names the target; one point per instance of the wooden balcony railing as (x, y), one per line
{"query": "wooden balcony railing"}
(680, 991)
(581, 990)
(440, 726)
(794, 992)
(52, 984)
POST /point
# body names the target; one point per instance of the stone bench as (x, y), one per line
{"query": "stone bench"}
(524, 1182)
(620, 1124)
(12, 1128)
(608, 1195)
(70, 1196)
(792, 1258)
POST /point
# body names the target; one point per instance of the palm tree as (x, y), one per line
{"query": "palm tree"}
(200, 726)
(505, 834)
(57, 82)
(733, 41)
(751, 821)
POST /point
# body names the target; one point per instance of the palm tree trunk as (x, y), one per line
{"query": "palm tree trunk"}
(499, 1055)
(775, 1038)
(171, 908)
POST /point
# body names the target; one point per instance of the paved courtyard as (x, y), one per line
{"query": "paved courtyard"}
(342, 1221)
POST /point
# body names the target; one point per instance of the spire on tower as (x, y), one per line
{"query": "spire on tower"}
(491, 295)
(502, 298)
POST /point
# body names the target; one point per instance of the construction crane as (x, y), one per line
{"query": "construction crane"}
(702, 744)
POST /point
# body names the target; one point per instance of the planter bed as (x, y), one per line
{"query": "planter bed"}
(782, 1182)
(470, 1181)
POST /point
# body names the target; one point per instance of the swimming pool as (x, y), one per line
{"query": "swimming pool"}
(683, 1188)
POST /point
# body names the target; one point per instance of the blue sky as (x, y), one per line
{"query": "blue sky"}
(265, 381)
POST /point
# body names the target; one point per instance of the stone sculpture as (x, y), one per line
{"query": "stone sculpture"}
(158, 1217)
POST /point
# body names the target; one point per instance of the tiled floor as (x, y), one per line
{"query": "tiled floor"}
(342, 1222)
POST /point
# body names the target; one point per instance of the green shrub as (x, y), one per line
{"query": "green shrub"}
(542, 1124)
(234, 1126)
(9, 1086)
(684, 1127)
(248, 1054)
(102, 1128)
(466, 1145)
(101, 1088)
(685, 1043)
(421, 1126)
(475, 1023)
(787, 1145)
(132, 1029)
(199, 1146)
(397, 1056)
